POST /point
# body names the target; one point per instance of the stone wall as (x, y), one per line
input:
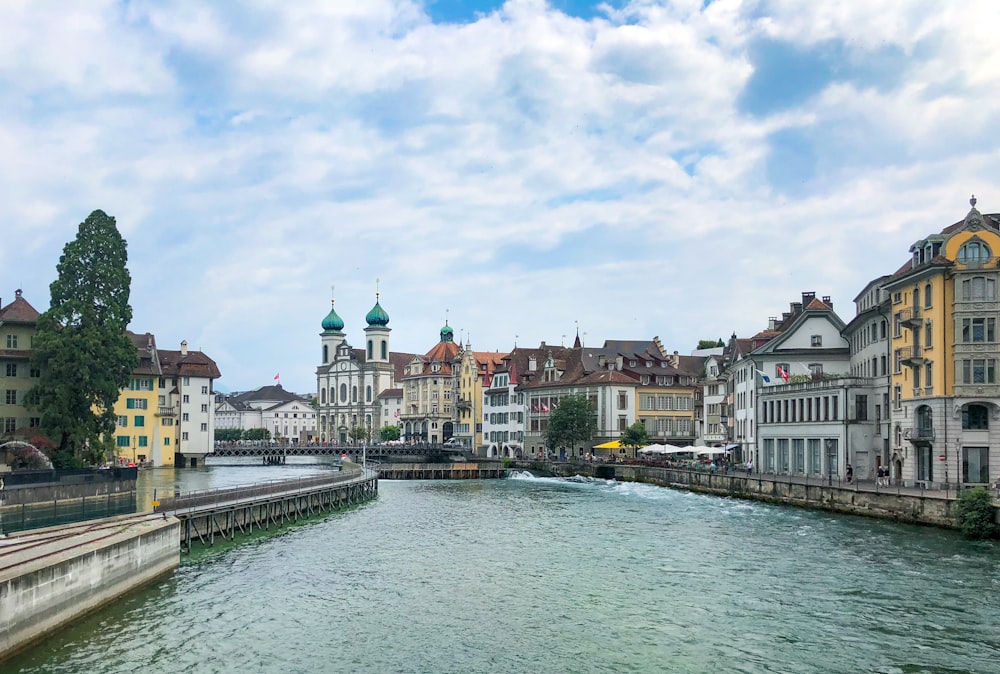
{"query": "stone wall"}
(40, 595)
(903, 507)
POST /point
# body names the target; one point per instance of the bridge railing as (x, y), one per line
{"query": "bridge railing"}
(205, 497)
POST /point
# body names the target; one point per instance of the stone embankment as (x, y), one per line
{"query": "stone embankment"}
(930, 507)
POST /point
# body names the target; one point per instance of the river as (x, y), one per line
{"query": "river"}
(551, 575)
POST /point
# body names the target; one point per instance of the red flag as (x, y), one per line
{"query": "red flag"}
(277, 377)
(782, 373)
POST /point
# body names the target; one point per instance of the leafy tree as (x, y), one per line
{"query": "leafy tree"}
(256, 434)
(635, 436)
(387, 433)
(573, 422)
(707, 344)
(720, 343)
(975, 513)
(358, 433)
(80, 344)
(228, 434)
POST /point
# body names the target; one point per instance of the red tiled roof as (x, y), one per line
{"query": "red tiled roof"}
(18, 311)
(194, 364)
(818, 305)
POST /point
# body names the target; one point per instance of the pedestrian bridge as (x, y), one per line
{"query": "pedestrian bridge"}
(353, 451)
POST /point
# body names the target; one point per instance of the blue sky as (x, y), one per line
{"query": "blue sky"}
(679, 168)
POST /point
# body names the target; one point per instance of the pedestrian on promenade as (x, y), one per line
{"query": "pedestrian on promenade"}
(749, 467)
(880, 477)
(850, 473)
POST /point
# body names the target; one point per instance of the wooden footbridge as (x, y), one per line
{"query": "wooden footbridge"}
(228, 513)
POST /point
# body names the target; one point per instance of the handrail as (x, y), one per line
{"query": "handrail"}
(211, 496)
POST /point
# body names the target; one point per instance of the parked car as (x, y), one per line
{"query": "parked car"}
(453, 442)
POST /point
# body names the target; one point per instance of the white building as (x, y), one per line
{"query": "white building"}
(284, 414)
(349, 381)
(186, 386)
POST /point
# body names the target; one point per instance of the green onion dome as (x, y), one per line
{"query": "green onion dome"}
(333, 322)
(377, 316)
(447, 334)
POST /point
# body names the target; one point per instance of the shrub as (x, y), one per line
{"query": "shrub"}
(975, 513)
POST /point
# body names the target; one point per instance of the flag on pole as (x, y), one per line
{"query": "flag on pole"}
(277, 377)
(767, 380)
(782, 373)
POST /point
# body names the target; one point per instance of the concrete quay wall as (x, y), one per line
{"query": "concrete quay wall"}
(50, 577)
(887, 504)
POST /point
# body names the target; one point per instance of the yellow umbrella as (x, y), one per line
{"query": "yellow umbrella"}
(614, 444)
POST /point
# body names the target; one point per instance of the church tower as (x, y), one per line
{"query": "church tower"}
(332, 335)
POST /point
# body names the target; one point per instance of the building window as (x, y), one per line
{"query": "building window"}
(929, 375)
(139, 420)
(11, 369)
(185, 398)
(816, 369)
(974, 251)
(897, 324)
(371, 349)
(897, 298)
(979, 288)
(975, 418)
(343, 393)
(184, 435)
(35, 372)
(928, 335)
(143, 441)
(816, 340)
(204, 427)
(11, 341)
(184, 416)
(979, 371)
(187, 381)
(927, 296)
(861, 408)
(11, 397)
(976, 464)
(978, 329)
(622, 400)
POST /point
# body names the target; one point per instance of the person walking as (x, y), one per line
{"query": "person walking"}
(850, 473)
(750, 467)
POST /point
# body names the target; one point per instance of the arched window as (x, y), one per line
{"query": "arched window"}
(368, 394)
(326, 354)
(385, 350)
(370, 347)
(343, 393)
(322, 396)
(927, 296)
(974, 251)
(925, 421)
(975, 418)
(354, 394)
(916, 297)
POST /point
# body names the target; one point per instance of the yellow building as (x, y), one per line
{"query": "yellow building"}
(944, 385)
(472, 369)
(141, 434)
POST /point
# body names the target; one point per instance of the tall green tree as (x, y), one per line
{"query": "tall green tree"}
(573, 422)
(634, 437)
(387, 433)
(81, 345)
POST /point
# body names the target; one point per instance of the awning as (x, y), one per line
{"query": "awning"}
(614, 444)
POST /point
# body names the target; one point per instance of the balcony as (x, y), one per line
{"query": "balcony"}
(919, 434)
(463, 403)
(912, 356)
(910, 318)
(166, 411)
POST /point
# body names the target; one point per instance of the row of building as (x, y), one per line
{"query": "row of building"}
(165, 415)
(908, 383)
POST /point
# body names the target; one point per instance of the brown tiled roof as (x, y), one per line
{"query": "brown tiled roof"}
(194, 364)
(605, 377)
(391, 393)
(18, 311)
(818, 305)
(145, 346)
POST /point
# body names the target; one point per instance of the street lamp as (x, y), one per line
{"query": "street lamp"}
(829, 471)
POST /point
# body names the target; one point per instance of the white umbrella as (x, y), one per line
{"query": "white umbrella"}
(712, 451)
(653, 449)
(674, 449)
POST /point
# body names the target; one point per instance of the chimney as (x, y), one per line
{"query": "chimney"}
(601, 360)
(184, 348)
(771, 323)
(826, 300)
(796, 308)
(619, 362)
(675, 360)
(807, 297)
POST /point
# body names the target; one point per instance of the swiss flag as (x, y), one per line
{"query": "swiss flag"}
(783, 373)
(277, 377)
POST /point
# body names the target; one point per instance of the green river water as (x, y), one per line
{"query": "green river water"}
(551, 575)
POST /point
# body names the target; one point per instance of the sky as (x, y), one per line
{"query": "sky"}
(522, 170)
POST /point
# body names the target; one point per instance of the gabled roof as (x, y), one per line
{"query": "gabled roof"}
(391, 393)
(145, 346)
(19, 311)
(266, 394)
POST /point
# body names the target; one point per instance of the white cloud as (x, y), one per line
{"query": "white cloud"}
(524, 170)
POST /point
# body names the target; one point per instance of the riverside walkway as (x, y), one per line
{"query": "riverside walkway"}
(236, 511)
